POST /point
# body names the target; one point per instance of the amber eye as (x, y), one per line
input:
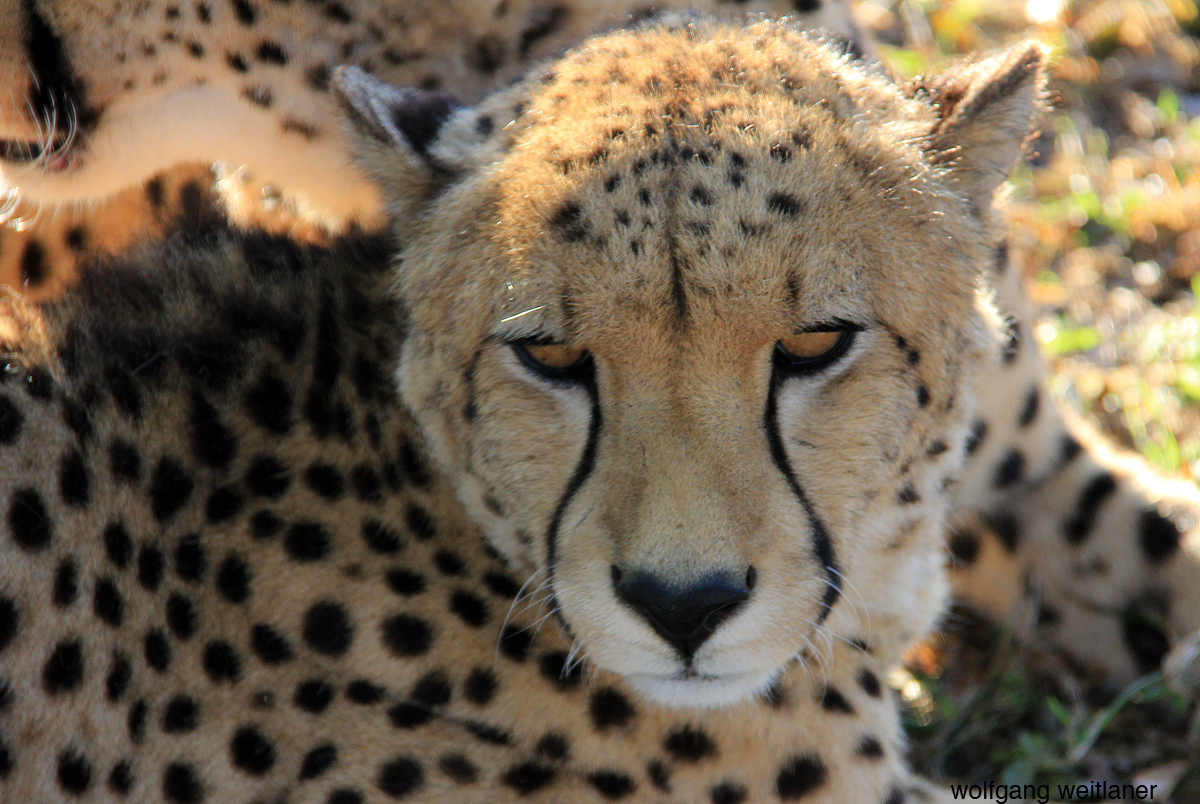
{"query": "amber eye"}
(808, 352)
(554, 361)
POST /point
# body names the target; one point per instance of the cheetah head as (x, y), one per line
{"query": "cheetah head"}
(690, 316)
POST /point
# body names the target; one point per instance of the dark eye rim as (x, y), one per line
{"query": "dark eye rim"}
(579, 372)
(793, 366)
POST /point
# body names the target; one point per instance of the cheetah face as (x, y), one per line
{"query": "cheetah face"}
(688, 314)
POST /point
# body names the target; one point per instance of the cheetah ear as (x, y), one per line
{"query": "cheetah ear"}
(391, 131)
(985, 114)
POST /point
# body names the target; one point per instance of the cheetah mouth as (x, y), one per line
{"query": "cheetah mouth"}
(53, 156)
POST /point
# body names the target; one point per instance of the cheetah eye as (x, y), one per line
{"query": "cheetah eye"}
(554, 361)
(809, 352)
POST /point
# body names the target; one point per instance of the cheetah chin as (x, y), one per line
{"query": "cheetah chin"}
(703, 692)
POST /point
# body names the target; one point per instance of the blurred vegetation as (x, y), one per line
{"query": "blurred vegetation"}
(1106, 227)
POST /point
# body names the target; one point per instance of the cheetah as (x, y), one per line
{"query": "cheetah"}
(1044, 517)
(563, 489)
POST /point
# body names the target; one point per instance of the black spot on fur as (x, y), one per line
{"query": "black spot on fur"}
(869, 683)
(660, 777)
(34, 269)
(1158, 536)
(66, 583)
(420, 523)
(1010, 470)
(406, 715)
(611, 784)
(10, 421)
(528, 777)
(405, 635)
(181, 715)
(610, 709)
(170, 488)
(313, 696)
(364, 692)
(432, 689)
(869, 748)
(1006, 527)
(1069, 449)
(405, 582)
(832, 700)
(570, 222)
(120, 778)
(480, 686)
(689, 744)
(317, 761)
(543, 23)
(190, 558)
(125, 462)
(213, 443)
(922, 396)
(223, 504)
(264, 525)
(181, 615)
(118, 679)
(1079, 526)
(28, 520)
(307, 541)
(267, 477)
(221, 662)
(449, 563)
(964, 548)
(515, 642)
(458, 768)
(244, 11)
(325, 480)
(181, 785)
(251, 751)
(269, 403)
(785, 204)
(800, 776)
(107, 603)
(976, 436)
(327, 628)
(381, 538)
(63, 670)
(74, 772)
(727, 793)
(118, 545)
(270, 645)
(233, 579)
(469, 607)
(1029, 408)
(400, 777)
(150, 567)
(9, 618)
(156, 650)
(269, 52)
(1145, 639)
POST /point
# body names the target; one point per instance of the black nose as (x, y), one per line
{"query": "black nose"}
(686, 616)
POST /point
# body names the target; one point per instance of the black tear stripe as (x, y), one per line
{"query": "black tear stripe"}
(822, 544)
(583, 470)
(57, 92)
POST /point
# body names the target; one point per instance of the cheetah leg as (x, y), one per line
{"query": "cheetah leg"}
(1061, 535)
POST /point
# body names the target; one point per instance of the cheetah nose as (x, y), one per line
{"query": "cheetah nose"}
(683, 616)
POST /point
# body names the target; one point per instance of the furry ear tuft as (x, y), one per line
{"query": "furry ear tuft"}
(985, 114)
(396, 115)
(394, 133)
